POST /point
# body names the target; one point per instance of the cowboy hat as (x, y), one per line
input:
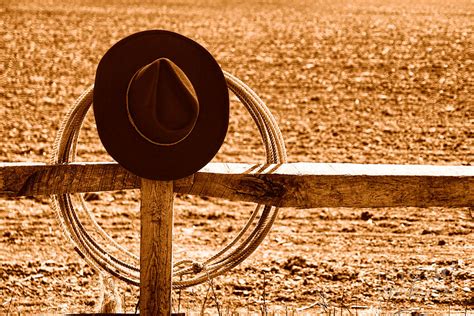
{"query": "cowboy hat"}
(161, 104)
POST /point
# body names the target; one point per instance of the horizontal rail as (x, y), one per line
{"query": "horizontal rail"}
(302, 185)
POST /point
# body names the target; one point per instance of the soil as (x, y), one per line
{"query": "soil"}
(356, 82)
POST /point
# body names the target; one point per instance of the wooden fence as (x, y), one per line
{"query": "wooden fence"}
(302, 185)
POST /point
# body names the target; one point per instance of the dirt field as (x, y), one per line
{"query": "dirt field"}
(348, 81)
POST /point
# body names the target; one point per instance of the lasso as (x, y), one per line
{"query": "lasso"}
(101, 251)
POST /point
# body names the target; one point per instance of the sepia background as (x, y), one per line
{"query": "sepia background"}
(348, 81)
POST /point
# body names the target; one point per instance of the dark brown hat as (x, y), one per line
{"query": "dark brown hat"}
(161, 104)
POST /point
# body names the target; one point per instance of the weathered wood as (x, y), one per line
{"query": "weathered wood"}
(156, 247)
(308, 185)
(295, 184)
(27, 179)
(37, 179)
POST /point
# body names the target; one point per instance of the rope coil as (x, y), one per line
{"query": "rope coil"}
(102, 254)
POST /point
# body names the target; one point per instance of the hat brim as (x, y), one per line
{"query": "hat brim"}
(120, 138)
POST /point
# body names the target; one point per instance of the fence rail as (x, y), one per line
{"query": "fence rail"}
(303, 185)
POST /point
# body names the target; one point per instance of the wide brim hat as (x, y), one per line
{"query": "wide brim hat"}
(204, 84)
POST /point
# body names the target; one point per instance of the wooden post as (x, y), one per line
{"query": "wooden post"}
(156, 247)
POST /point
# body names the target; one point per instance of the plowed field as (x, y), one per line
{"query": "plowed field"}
(348, 81)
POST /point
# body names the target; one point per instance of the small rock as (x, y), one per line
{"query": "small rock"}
(445, 272)
(366, 216)
(441, 242)
(348, 230)
(90, 302)
(240, 292)
(295, 261)
(295, 269)
(387, 112)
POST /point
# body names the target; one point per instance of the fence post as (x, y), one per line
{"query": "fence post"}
(156, 247)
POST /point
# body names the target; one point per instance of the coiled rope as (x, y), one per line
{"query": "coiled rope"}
(104, 254)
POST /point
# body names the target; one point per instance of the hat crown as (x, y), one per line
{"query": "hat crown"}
(162, 104)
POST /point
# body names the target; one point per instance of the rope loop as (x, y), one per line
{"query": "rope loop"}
(104, 254)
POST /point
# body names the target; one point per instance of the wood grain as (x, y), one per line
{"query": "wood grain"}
(302, 185)
(27, 179)
(156, 213)
(307, 185)
(38, 179)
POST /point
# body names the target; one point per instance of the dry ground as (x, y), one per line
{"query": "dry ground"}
(348, 81)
